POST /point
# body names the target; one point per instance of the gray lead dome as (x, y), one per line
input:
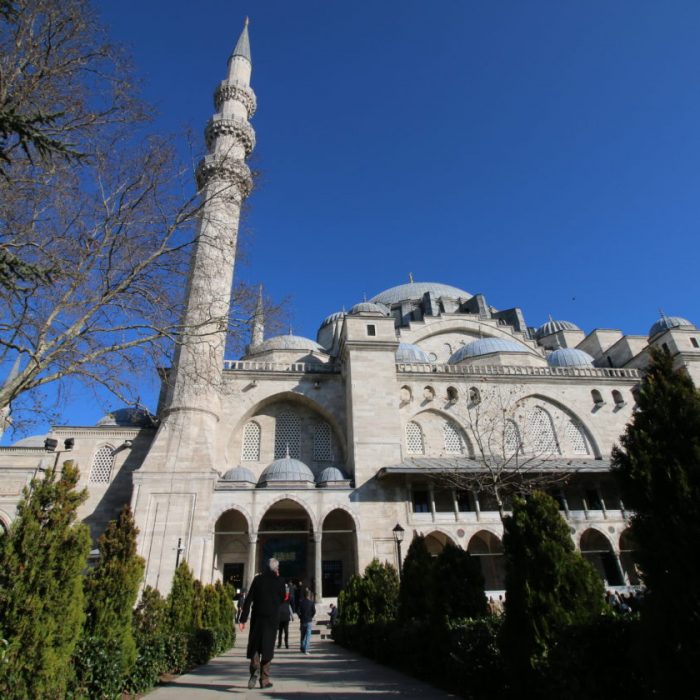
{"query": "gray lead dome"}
(665, 323)
(239, 474)
(415, 290)
(287, 469)
(485, 346)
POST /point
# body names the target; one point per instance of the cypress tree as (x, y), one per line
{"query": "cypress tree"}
(458, 590)
(227, 614)
(658, 469)
(548, 584)
(42, 559)
(107, 651)
(380, 589)
(349, 601)
(181, 608)
(416, 589)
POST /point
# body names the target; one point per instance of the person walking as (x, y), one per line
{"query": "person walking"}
(266, 593)
(307, 612)
(285, 617)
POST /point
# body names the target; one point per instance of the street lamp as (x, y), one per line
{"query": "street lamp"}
(398, 538)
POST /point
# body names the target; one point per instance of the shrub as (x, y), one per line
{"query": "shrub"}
(41, 587)
(180, 613)
(416, 590)
(458, 585)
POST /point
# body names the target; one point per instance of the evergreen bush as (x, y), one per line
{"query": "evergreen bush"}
(416, 589)
(379, 600)
(107, 652)
(458, 585)
(42, 559)
(658, 470)
(181, 619)
(548, 584)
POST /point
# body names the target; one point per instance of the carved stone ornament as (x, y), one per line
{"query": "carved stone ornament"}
(232, 91)
(226, 169)
(238, 128)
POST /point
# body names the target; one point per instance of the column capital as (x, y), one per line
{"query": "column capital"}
(318, 536)
(252, 538)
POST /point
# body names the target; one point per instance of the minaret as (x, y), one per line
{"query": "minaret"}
(224, 181)
(258, 332)
(173, 487)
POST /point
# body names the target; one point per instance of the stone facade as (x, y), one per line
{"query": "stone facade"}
(314, 450)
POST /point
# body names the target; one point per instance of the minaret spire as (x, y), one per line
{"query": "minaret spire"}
(258, 332)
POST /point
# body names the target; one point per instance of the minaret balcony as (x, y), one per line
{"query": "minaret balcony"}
(224, 168)
(240, 129)
(228, 91)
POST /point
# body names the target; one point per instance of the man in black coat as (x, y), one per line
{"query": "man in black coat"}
(265, 595)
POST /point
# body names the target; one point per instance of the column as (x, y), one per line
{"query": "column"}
(252, 546)
(318, 569)
(207, 564)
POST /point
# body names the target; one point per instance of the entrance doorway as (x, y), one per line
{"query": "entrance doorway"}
(233, 575)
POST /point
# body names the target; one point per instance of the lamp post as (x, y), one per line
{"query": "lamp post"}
(398, 538)
(180, 550)
(51, 445)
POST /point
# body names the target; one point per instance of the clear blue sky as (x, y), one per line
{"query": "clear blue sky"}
(545, 154)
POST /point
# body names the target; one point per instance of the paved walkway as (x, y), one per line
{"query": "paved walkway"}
(330, 671)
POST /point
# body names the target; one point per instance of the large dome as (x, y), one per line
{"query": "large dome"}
(128, 418)
(415, 290)
(553, 326)
(407, 352)
(569, 357)
(286, 342)
(665, 323)
(485, 346)
(286, 469)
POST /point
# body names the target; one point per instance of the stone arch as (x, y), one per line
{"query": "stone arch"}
(289, 497)
(437, 539)
(5, 520)
(588, 430)
(339, 550)
(432, 414)
(461, 326)
(340, 506)
(488, 548)
(231, 546)
(597, 549)
(98, 469)
(257, 412)
(218, 512)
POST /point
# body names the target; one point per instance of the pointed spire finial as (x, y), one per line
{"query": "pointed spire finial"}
(287, 451)
(247, 20)
(243, 44)
(550, 318)
(410, 277)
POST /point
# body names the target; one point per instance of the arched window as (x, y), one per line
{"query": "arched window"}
(287, 435)
(540, 432)
(474, 395)
(452, 394)
(576, 438)
(323, 448)
(489, 550)
(414, 439)
(512, 442)
(251, 442)
(618, 399)
(102, 464)
(597, 397)
(452, 439)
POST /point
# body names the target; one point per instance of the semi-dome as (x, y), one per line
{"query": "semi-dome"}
(569, 357)
(665, 323)
(407, 352)
(239, 474)
(369, 307)
(286, 342)
(128, 418)
(31, 441)
(337, 316)
(331, 474)
(287, 469)
(553, 326)
(416, 290)
(485, 346)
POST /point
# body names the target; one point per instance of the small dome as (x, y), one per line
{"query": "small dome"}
(128, 418)
(31, 441)
(331, 474)
(287, 342)
(239, 474)
(553, 326)
(569, 357)
(485, 346)
(667, 322)
(368, 307)
(286, 469)
(415, 290)
(337, 316)
(407, 352)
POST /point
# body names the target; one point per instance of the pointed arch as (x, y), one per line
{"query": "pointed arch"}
(102, 465)
(541, 436)
(453, 442)
(250, 450)
(415, 444)
(266, 507)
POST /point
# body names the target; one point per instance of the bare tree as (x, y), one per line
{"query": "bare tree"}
(97, 218)
(513, 443)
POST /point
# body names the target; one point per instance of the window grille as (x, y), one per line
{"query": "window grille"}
(577, 438)
(323, 448)
(453, 440)
(414, 439)
(512, 442)
(251, 442)
(102, 465)
(287, 435)
(541, 432)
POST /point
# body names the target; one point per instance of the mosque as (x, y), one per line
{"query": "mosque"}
(326, 453)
